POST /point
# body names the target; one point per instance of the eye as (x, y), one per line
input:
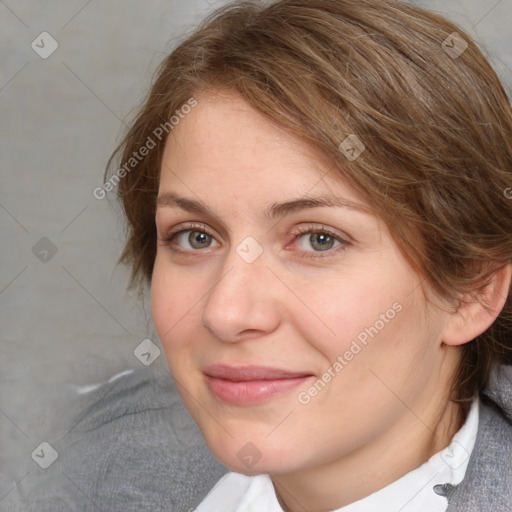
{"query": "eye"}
(195, 239)
(319, 240)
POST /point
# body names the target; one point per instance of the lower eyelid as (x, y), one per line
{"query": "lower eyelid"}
(173, 236)
(327, 253)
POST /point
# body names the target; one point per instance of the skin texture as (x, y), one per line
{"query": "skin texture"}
(296, 308)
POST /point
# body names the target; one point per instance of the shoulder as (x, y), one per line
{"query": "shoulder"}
(144, 448)
(131, 445)
(487, 485)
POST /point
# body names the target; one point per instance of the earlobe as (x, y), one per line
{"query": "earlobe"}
(473, 317)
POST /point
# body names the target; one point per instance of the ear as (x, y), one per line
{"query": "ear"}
(473, 317)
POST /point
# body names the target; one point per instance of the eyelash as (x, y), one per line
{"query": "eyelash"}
(315, 230)
(183, 228)
(299, 233)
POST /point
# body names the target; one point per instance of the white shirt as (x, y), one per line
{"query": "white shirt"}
(413, 492)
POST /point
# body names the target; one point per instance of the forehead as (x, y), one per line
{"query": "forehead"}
(223, 143)
(224, 126)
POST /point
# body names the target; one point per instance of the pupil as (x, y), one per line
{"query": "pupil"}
(321, 241)
(198, 239)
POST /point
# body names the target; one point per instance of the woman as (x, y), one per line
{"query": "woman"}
(316, 192)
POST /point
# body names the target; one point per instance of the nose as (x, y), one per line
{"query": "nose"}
(243, 302)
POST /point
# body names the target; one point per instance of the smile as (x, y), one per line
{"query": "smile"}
(251, 384)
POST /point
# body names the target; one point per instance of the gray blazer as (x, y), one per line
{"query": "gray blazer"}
(133, 447)
(128, 446)
(487, 486)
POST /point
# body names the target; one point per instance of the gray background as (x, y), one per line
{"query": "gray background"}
(69, 320)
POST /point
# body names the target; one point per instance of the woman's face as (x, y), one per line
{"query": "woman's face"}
(293, 326)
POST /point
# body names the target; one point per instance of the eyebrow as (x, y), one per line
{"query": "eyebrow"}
(277, 210)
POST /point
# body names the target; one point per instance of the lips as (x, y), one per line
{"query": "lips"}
(246, 385)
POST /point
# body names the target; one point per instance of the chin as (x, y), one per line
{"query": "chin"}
(254, 455)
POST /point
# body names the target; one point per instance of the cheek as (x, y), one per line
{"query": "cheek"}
(175, 300)
(357, 306)
(367, 362)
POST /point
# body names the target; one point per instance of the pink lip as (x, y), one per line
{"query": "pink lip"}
(251, 384)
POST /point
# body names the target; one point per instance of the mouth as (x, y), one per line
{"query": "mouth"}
(247, 385)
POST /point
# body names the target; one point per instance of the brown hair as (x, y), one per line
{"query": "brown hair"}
(437, 127)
